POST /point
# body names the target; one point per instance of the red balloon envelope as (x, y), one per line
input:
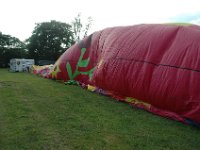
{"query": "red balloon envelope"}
(154, 67)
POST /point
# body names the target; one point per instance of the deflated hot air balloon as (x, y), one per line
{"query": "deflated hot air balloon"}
(155, 67)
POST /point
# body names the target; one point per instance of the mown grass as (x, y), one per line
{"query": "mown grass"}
(42, 114)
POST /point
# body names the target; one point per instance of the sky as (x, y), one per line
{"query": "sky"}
(19, 17)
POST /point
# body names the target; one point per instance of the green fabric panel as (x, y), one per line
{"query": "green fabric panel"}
(69, 70)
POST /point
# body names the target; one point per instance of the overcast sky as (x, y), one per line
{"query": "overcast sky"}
(18, 17)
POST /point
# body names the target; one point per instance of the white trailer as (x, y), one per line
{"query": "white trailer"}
(19, 65)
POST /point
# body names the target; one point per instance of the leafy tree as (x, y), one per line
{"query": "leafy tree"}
(77, 26)
(80, 31)
(49, 40)
(10, 47)
(87, 26)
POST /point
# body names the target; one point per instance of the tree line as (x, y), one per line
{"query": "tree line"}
(47, 42)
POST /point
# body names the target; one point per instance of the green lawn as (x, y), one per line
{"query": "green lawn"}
(37, 113)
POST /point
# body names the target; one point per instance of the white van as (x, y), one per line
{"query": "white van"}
(19, 65)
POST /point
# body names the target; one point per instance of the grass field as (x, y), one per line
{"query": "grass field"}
(41, 114)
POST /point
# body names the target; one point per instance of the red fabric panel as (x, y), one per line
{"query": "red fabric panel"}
(158, 64)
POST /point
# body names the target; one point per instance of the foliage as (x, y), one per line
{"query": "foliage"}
(80, 31)
(10, 47)
(87, 26)
(49, 40)
(41, 114)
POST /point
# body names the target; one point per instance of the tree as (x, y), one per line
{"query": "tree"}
(49, 40)
(87, 26)
(80, 31)
(10, 47)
